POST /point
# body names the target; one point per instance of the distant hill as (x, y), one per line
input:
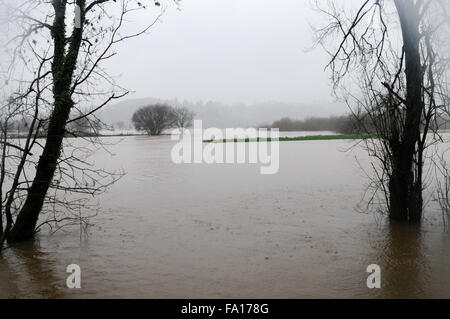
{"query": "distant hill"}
(216, 114)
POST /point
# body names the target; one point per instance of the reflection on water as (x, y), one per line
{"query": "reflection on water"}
(201, 231)
(405, 262)
(406, 271)
(412, 264)
(31, 271)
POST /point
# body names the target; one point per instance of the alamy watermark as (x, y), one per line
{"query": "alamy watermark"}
(74, 279)
(374, 279)
(236, 146)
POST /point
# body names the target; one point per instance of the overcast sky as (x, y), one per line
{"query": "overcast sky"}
(227, 50)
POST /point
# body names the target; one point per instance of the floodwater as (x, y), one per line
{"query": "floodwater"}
(226, 231)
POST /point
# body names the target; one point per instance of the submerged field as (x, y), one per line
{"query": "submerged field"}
(220, 230)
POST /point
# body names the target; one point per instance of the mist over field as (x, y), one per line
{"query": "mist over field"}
(216, 114)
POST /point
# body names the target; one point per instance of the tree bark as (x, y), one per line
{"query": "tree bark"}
(405, 184)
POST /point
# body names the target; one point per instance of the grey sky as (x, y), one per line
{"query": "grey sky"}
(227, 50)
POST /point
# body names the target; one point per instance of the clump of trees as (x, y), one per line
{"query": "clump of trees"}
(183, 117)
(346, 124)
(155, 119)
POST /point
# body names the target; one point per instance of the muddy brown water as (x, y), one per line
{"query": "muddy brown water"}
(225, 231)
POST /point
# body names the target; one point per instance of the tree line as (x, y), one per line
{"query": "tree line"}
(346, 124)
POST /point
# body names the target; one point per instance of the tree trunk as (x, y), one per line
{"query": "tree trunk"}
(63, 68)
(28, 216)
(405, 184)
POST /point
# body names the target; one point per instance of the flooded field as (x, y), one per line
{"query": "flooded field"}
(226, 231)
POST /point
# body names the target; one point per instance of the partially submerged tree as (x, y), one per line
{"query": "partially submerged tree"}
(394, 51)
(52, 68)
(154, 119)
(183, 117)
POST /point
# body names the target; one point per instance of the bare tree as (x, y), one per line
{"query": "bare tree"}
(52, 68)
(154, 119)
(403, 91)
(183, 117)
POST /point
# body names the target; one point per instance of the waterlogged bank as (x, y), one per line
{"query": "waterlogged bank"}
(222, 230)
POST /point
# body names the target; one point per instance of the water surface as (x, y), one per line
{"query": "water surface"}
(221, 231)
